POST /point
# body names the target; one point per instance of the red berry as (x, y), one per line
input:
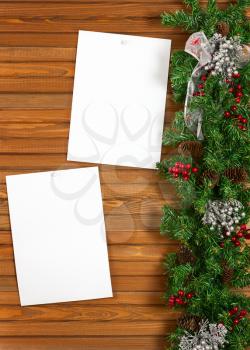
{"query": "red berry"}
(236, 321)
(202, 93)
(188, 166)
(240, 127)
(239, 234)
(234, 108)
(182, 166)
(227, 114)
(244, 120)
(240, 117)
(237, 75)
(233, 239)
(178, 301)
(233, 311)
(237, 100)
(175, 175)
(200, 86)
(243, 312)
(222, 244)
(237, 243)
(189, 295)
(231, 89)
(239, 94)
(181, 293)
(203, 78)
(185, 173)
(239, 87)
(228, 81)
(171, 300)
(195, 170)
(186, 178)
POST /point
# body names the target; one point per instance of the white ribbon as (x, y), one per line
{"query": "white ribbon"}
(199, 47)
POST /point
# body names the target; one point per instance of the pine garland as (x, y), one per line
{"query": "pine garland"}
(205, 283)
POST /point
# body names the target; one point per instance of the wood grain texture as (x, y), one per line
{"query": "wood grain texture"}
(37, 60)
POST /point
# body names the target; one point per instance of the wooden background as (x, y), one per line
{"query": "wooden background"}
(37, 54)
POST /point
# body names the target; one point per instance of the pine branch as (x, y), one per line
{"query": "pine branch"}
(225, 147)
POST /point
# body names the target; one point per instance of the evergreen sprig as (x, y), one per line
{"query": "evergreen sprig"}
(224, 147)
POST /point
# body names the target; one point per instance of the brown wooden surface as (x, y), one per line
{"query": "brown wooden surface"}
(37, 54)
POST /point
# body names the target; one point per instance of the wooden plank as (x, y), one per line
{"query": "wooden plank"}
(102, 16)
(81, 328)
(109, 174)
(119, 283)
(118, 268)
(56, 145)
(130, 237)
(37, 69)
(43, 162)
(48, 101)
(81, 343)
(120, 252)
(33, 101)
(70, 39)
(37, 54)
(119, 298)
(123, 206)
(125, 199)
(178, 2)
(54, 116)
(33, 116)
(99, 8)
(129, 284)
(115, 223)
(97, 313)
(56, 24)
(35, 130)
(123, 191)
(37, 85)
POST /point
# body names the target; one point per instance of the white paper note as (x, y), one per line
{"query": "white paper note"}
(59, 236)
(119, 99)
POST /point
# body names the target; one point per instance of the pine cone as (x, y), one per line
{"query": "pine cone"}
(228, 273)
(190, 323)
(236, 174)
(223, 28)
(191, 148)
(212, 176)
(185, 255)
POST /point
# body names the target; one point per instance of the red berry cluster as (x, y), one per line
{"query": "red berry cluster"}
(183, 170)
(236, 90)
(200, 86)
(237, 314)
(243, 232)
(180, 299)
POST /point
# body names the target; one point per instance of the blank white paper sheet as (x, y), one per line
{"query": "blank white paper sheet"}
(119, 99)
(59, 236)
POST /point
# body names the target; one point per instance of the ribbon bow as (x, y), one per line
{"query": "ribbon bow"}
(199, 47)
